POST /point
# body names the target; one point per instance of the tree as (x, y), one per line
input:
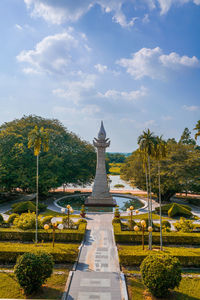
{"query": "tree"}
(160, 153)
(146, 143)
(179, 171)
(69, 159)
(38, 138)
(198, 130)
(186, 138)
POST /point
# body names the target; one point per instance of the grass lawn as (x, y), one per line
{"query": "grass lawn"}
(189, 289)
(53, 213)
(52, 289)
(145, 216)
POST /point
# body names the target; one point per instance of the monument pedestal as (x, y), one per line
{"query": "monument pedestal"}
(105, 202)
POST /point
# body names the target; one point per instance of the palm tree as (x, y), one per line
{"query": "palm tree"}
(159, 153)
(38, 138)
(198, 130)
(146, 143)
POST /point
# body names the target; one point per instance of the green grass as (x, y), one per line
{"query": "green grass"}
(145, 216)
(188, 290)
(49, 212)
(52, 289)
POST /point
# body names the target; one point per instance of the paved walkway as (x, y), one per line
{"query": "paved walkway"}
(97, 275)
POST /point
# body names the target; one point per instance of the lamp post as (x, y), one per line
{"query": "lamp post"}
(131, 210)
(54, 226)
(150, 229)
(143, 223)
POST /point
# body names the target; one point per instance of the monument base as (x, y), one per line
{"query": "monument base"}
(104, 202)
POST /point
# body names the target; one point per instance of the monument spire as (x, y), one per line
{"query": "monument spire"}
(100, 191)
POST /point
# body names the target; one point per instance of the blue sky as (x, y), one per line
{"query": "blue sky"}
(135, 64)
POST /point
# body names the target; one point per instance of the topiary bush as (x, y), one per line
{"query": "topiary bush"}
(117, 213)
(160, 273)
(26, 221)
(116, 220)
(179, 210)
(165, 208)
(1, 219)
(32, 270)
(12, 218)
(26, 206)
(46, 220)
(71, 224)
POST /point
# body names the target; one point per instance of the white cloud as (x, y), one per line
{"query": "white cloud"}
(166, 118)
(101, 68)
(75, 91)
(55, 53)
(58, 12)
(152, 62)
(127, 96)
(191, 107)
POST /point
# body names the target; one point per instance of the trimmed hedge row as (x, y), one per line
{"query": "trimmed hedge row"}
(66, 235)
(62, 253)
(169, 238)
(134, 255)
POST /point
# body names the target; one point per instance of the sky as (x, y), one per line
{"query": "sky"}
(135, 64)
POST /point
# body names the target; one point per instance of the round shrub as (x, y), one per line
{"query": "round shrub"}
(26, 221)
(72, 225)
(117, 213)
(12, 218)
(32, 270)
(160, 273)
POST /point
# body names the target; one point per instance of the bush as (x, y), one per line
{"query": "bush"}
(166, 207)
(32, 270)
(83, 213)
(26, 221)
(116, 220)
(119, 186)
(26, 206)
(117, 213)
(160, 273)
(184, 225)
(12, 218)
(1, 219)
(179, 210)
(68, 224)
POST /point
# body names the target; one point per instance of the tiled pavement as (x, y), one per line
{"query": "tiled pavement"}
(97, 275)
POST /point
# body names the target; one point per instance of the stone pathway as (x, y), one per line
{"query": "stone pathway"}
(97, 275)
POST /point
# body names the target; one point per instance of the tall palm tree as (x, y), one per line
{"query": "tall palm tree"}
(146, 143)
(160, 152)
(198, 130)
(38, 138)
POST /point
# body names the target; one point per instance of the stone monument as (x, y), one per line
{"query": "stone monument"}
(100, 191)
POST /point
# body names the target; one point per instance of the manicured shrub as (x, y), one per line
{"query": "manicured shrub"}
(81, 221)
(184, 225)
(116, 220)
(83, 213)
(160, 273)
(166, 224)
(26, 206)
(119, 186)
(179, 210)
(166, 207)
(32, 270)
(1, 219)
(26, 221)
(12, 218)
(68, 223)
(131, 224)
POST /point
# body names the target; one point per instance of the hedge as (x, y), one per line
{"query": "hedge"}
(134, 255)
(66, 235)
(62, 253)
(169, 238)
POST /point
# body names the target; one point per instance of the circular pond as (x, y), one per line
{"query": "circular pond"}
(76, 201)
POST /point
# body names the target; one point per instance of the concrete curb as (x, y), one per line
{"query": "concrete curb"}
(67, 285)
(123, 287)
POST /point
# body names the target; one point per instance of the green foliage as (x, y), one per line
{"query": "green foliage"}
(69, 159)
(160, 273)
(169, 238)
(116, 220)
(184, 225)
(115, 157)
(66, 235)
(186, 138)
(12, 218)
(165, 208)
(68, 223)
(179, 171)
(83, 213)
(1, 219)
(178, 210)
(25, 221)
(22, 207)
(32, 270)
(119, 186)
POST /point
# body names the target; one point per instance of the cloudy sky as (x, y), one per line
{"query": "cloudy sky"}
(133, 63)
